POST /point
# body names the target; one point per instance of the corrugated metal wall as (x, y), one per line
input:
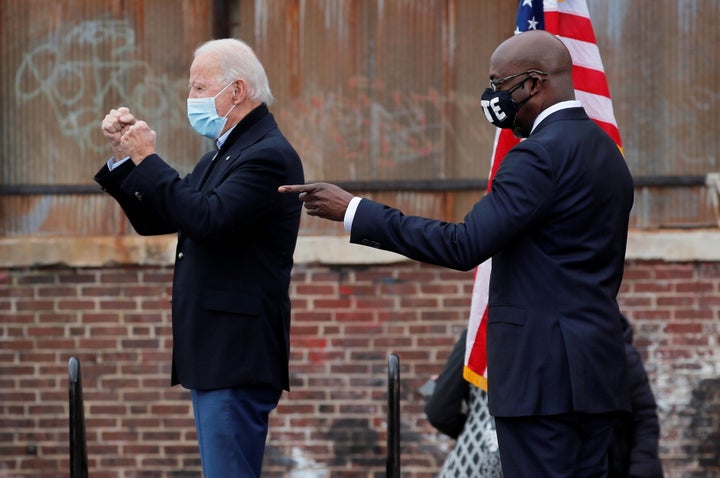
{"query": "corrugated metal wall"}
(65, 63)
(372, 91)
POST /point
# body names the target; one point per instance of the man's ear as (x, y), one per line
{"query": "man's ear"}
(536, 82)
(239, 91)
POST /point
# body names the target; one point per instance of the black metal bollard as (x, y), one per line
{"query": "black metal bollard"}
(78, 445)
(393, 437)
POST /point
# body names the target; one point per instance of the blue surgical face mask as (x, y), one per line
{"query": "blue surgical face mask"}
(203, 115)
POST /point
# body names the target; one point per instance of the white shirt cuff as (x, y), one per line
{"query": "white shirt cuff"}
(112, 164)
(350, 213)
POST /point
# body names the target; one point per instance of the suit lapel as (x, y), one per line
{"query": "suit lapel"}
(232, 150)
(215, 170)
(202, 171)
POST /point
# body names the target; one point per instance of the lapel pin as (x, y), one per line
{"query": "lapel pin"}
(227, 158)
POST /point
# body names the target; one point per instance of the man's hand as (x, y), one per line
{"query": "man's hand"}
(324, 200)
(138, 141)
(114, 125)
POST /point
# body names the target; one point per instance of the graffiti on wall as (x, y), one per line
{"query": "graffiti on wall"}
(75, 76)
(83, 72)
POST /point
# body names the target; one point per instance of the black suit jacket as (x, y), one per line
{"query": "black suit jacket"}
(555, 224)
(236, 238)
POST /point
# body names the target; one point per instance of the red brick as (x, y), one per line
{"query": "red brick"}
(444, 314)
(692, 341)
(34, 305)
(683, 328)
(117, 305)
(696, 287)
(46, 331)
(317, 289)
(170, 409)
(99, 331)
(35, 279)
(653, 286)
(331, 303)
(16, 293)
(676, 301)
(99, 317)
(104, 291)
(462, 302)
(694, 314)
(139, 343)
(57, 291)
(440, 289)
(59, 317)
(76, 277)
(675, 272)
(365, 316)
(119, 277)
(375, 303)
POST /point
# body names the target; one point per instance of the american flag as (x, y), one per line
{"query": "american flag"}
(570, 21)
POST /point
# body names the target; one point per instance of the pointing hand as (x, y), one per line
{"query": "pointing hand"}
(324, 200)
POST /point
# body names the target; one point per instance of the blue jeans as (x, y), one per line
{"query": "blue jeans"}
(232, 425)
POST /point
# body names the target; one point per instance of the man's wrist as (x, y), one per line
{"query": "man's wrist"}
(113, 163)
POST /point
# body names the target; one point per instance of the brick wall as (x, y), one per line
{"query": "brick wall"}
(346, 322)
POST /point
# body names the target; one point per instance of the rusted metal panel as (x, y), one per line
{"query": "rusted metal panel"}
(380, 90)
(61, 215)
(65, 64)
(366, 91)
(663, 72)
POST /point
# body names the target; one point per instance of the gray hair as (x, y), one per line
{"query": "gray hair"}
(238, 60)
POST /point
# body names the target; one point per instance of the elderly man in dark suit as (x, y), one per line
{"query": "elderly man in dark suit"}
(555, 224)
(236, 237)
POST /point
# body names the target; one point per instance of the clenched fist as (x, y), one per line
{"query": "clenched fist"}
(138, 141)
(114, 125)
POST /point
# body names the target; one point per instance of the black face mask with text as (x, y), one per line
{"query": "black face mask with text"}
(499, 107)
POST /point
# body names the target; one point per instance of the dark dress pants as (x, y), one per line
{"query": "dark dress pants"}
(559, 446)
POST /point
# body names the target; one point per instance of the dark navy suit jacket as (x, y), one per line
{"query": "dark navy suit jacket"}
(236, 238)
(555, 224)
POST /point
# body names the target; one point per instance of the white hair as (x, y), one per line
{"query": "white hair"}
(238, 60)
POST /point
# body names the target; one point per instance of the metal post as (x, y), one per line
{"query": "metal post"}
(78, 445)
(393, 436)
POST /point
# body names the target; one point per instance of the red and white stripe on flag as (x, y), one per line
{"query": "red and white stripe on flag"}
(570, 21)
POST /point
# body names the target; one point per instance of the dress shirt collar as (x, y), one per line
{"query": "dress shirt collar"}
(563, 105)
(221, 140)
